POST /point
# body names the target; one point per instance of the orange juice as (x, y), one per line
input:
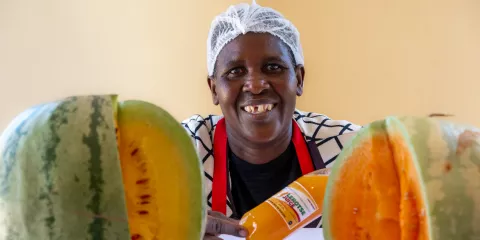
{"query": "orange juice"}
(288, 210)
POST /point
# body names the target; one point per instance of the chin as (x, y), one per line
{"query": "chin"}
(261, 134)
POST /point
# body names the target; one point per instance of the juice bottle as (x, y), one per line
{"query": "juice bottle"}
(292, 208)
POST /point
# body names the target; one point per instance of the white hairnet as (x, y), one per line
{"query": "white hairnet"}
(243, 18)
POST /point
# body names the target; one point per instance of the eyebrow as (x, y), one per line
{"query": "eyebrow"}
(276, 58)
(231, 63)
(235, 61)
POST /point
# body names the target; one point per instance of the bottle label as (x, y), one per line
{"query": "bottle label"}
(294, 204)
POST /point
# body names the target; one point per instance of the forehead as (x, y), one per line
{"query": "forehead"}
(253, 46)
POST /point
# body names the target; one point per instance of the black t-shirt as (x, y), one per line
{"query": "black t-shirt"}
(252, 184)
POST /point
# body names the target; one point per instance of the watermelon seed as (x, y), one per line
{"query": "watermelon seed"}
(116, 132)
(142, 181)
(146, 196)
(134, 152)
(136, 237)
(448, 167)
(144, 202)
(367, 236)
(143, 212)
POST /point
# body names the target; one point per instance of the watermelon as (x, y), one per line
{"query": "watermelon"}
(90, 167)
(406, 178)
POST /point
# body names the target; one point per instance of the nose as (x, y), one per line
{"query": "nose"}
(255, 83)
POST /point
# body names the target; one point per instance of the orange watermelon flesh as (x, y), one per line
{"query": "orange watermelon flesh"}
(378, 197)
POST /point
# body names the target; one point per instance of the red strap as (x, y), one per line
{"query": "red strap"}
(219, 185)
(303, 155)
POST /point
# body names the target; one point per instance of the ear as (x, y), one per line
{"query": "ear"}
(213, 90)
(300, 76)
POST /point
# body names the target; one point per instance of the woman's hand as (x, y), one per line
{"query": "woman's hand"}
(218, 224)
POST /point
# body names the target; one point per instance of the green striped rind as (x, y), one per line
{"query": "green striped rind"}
(189, 165)
(453, 196)
(333, 181)
(399, 127)
(60, 177)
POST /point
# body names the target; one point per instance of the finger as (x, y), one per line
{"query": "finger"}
(217, 226)
(221, 216)
(215, 213)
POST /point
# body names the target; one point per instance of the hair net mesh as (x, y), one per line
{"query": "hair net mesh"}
(243, 18)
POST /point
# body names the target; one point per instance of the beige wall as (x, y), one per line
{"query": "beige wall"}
(369, 59)
(364, 59)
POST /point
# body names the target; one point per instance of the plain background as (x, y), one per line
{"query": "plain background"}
(364, 59)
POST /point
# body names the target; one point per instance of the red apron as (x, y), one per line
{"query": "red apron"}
(219, 185)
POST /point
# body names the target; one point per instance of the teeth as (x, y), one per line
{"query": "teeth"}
(258, 108)
(261, 108)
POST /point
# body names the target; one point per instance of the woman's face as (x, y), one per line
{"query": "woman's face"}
(256, 84)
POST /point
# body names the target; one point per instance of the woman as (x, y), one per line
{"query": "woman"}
(262, 142)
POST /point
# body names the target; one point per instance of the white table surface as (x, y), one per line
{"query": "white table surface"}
(301, 234)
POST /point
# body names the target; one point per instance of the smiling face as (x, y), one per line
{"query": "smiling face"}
(256, 84)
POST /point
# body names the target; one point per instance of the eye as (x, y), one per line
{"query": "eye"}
(272, 67)
(236, 72)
